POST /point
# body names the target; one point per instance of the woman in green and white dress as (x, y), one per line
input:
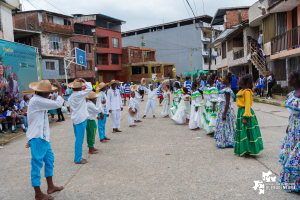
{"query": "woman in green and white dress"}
(178, 95)
(209, 116)
(182, 115)
(195, 119)
(166, 109)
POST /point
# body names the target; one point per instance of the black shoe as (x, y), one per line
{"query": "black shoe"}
(5, 130)
(63, 120)
(14, 131)
(58, 120)
(24, 129)
(1, 131)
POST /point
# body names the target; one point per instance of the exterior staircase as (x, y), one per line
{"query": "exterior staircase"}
(257, 61)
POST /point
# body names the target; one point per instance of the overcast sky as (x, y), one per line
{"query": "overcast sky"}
(136, 13)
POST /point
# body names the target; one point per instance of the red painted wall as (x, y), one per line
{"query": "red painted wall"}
(289, 20)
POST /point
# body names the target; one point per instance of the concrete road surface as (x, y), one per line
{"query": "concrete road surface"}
(156, 160)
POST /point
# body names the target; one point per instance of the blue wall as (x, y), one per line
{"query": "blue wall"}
(172, 45)
(50, 74)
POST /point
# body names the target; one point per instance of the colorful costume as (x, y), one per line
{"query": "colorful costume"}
(166, 108)
(290, 148)
(178, 95)
(195, 121)
(225, 129)
(209, 118)
(91, 126)
(247, 138)
(102, 122)
(183, 111)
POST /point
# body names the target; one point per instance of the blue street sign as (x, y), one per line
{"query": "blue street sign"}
(80, 57)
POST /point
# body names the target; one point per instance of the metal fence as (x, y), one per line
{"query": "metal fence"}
(103, 45)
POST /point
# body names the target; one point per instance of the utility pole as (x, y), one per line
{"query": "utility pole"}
(191, 64)
(209, 66)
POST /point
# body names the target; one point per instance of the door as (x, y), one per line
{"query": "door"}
(294, 29)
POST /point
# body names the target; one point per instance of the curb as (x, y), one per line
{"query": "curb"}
(268, 102)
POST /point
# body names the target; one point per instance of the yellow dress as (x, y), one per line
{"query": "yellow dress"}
(247, 138)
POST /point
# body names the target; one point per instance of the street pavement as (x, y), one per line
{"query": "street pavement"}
(158, 159)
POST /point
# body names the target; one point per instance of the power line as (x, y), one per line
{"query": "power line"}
(187, 9)
(56, 7)
(196, 8)
(191, 7)
(203, 7)
(36, 7)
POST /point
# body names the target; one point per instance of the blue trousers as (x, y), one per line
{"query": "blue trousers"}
(79, 131)
(101, 127)
(24, 120)
(41, 151)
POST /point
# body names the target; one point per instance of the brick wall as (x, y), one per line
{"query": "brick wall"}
(52, 52)
(232, 18)
(26, 21)
(136, 56)
(125, 56)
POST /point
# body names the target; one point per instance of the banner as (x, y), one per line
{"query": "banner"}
(18, 68)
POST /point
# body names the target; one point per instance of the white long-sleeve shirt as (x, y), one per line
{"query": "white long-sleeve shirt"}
(151, 94)
(37, 117)
(132, 103)
(99, 102)
(137, 96)
(113, 101)
(93, 110)
(78, 106)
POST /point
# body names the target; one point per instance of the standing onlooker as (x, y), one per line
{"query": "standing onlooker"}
(68, 92)
(260, 40)
(142, 92)
(233, 86)
(127, 92)
(261, 85)
(59, 113)
(171, 85)
(188, 85)
(271, 82)
(53, 111)
(201, 89)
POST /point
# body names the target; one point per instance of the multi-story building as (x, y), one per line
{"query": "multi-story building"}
(138, 63)
(50, 32)
(108, 43)
(175, 41)
(7, 9)
(236, 54)
(279, 21)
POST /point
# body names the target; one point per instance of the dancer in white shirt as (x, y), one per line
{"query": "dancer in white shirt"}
(79, 114)
(91, 126)
(38, 135)
(114, 105)
(151, 100)
(132, 105)
(137, 104)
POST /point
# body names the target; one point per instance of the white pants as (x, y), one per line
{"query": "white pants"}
(152, 104)
(137, 117)
(130, 120)
(115, 117)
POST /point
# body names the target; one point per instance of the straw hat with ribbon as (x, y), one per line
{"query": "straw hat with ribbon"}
(143, 82)
(76, 84)
(134, 88)
(101, 85)
(113, 82)
(42, 86)
(93, 95)
(133, 114)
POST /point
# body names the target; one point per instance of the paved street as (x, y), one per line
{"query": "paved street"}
(156, 160)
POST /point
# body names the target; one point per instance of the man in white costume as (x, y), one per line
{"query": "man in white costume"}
(114, 105)
(151, 100)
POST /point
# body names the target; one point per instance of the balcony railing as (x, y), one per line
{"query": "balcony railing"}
(100, 62)
(286, 41)
(273, 2)
(115, 45)
(103, 45)
(239, 54)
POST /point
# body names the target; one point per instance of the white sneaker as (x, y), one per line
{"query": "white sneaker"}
(270, 98)
(202, 101)
(68, 113)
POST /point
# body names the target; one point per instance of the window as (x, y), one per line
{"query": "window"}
(49, 18)
(109, 76)
(115, 43)
(114, 59)
(55, 42)
(50, 65)
(206, 61)
(204, 34)
(81, 46)
(88, 65)
(205, 47)
(67, 22)
(224, 50)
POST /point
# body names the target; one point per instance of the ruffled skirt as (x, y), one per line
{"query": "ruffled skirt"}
(247, 138)
(195, 118)
(182, 113)
(174, 107)
(209, 118)
(225, 129)
(166, 108)
(289, 156)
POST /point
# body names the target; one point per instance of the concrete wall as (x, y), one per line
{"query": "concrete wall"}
(50, 74)
(173, 45)
(14, 3)
(6, 29)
